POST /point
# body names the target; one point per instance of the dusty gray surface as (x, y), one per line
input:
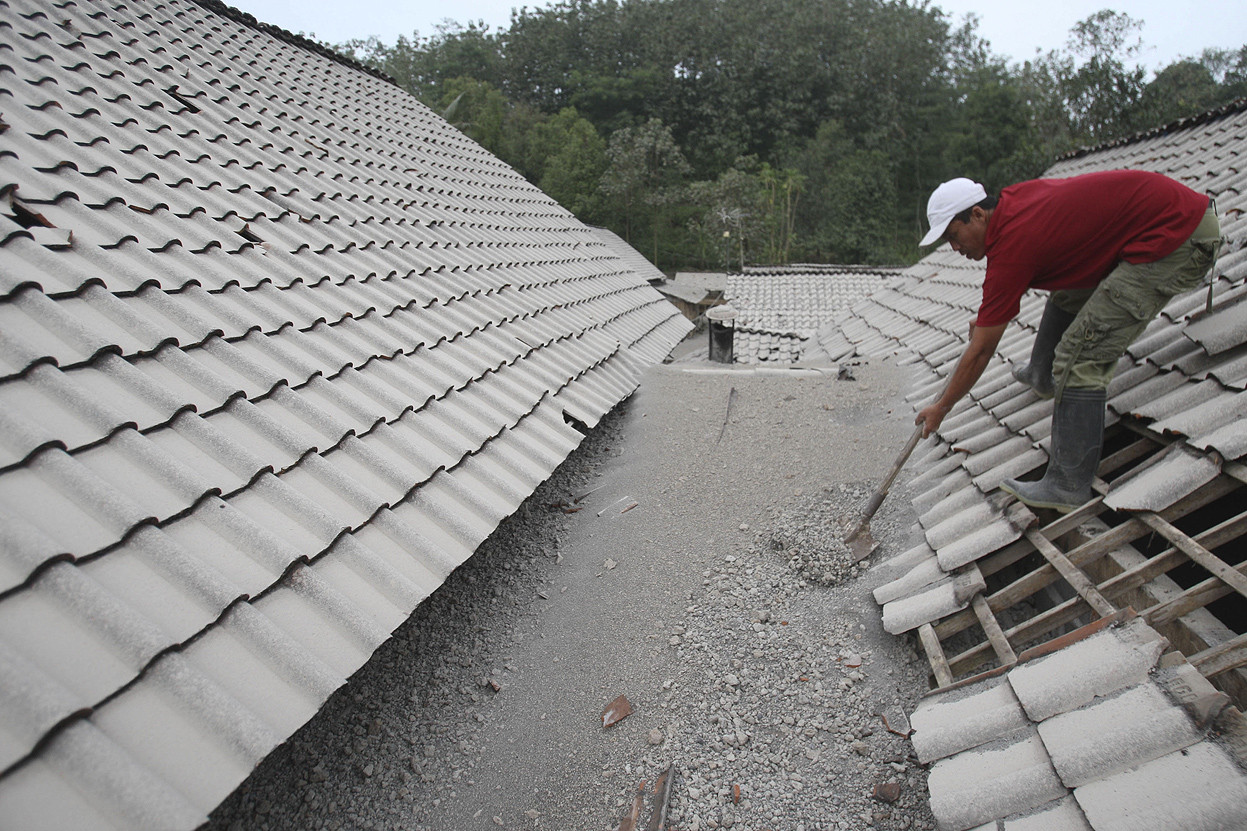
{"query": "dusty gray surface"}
(720, 605)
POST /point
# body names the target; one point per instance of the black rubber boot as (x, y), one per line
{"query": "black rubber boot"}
(1037, 372)
(1077, 436)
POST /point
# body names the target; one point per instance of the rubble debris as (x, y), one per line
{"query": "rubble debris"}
(616, 711)
(735, 794)
(887, 791)
(609, 564)
(662, 799)
(895, 720)
(628, 823)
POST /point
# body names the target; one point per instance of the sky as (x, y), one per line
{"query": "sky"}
(1014, 28)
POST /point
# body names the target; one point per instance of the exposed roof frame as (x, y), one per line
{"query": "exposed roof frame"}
(1099, 598)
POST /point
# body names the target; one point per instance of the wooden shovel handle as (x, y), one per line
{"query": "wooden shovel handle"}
(877, 499)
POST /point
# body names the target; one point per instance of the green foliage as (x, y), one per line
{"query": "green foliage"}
(746, 216)
(645, 176)
(804, 129)
(476, 108)
(850, 197)
(1179, 90)
(572, 158)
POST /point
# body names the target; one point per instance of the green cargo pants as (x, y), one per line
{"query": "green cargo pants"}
(1110, 316)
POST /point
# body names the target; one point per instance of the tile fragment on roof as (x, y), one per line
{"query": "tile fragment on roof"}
(923, 574)
(951, 595)
(986, 538)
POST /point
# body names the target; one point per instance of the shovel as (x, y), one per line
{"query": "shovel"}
(861, 544)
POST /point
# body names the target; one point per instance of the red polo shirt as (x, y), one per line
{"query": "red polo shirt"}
(1070, 233)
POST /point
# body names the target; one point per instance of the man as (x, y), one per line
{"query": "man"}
(1112, 248)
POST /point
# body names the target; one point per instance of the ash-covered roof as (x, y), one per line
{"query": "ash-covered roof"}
(695, 287)
(1163, 535)
(1106, 733)
(278, 349)
(781, 308)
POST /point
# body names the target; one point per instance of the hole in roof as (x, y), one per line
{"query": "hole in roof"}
(250, 236)
(28, 218)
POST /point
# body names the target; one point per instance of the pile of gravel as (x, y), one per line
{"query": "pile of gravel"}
(810, 537)
(778, 718)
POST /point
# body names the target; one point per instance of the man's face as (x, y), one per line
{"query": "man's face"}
(969, 239)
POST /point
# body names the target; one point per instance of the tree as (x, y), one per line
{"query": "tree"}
(748, 213)
(1229, 69)
(1179, 90)
(1101, 92)
(422, 66)
(573, 159)
(848, 214)
(476, 108)
(812, 126)
(645, 173)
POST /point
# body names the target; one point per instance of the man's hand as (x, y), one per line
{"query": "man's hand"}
(930, 418)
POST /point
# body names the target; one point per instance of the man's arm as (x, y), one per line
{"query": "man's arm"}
(983, 341)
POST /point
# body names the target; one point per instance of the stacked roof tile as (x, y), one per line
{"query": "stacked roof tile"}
(780, 309)
(278, 349)
(1163, 536)
(1103, 734)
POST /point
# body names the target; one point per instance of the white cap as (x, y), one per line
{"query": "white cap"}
(948, 200)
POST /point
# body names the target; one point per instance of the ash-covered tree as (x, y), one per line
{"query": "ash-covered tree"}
(645, 178)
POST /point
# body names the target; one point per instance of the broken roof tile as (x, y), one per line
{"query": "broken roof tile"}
(986, 538)
(940, 600)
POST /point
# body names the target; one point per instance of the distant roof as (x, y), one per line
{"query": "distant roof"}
(1163, 536)
(781, 308)
(695, 287)
(278, 349)
(1182, 124)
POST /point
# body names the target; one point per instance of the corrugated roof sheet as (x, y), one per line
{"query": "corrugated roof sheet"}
(278, 349)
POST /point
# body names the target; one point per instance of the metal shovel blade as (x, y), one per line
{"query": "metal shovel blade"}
(861, 544)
